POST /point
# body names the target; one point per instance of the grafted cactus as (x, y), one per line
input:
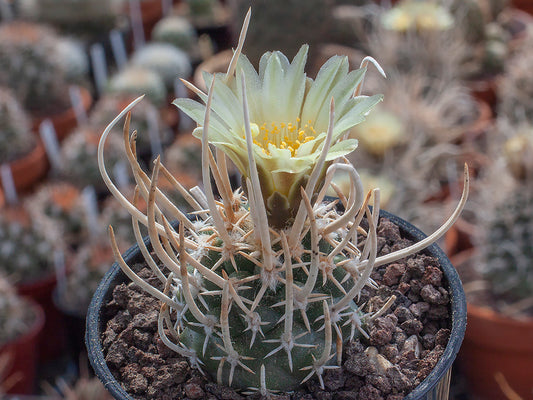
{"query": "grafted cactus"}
(261, 289)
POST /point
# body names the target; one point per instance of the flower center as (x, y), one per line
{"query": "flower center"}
(283, 136)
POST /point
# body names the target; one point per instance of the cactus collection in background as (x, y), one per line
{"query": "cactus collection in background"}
(506, 227)
(177, 31)
(87, 19)
(30, 67)
(16, 316)
(134, 81)
(16, 139)
(261, 288)
(283, 25)
(168, 61)
(26, 254)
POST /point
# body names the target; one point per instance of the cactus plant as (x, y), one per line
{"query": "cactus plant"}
(169, 62)
(15, 315)
(133, 81)
(292, 21)
(26, 253)
(59, 205)
(73, 59)
(516, 86)
(16, 139)
(29, 66)
(417, 15)
(110, 105)
(506, 220)
(86, 18)
(264, 283)
(177, 31)
(78, 154)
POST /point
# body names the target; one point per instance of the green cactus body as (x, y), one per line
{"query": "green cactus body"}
(177, 31)
(29, 66)
(259, 342)
(169, 62)
(135, 81)
(507, 253)
(16, 138)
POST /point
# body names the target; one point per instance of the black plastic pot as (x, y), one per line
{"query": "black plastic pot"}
(434, 387)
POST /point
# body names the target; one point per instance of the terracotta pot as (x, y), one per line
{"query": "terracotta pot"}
(497, 344)
(65, 121)
(52, 340)
(22, 353)
(434, 387)
(524, 5)
(30, 169)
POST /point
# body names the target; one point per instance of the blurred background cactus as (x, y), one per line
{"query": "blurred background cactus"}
(16, 139)
(16, 316)
(177, 31)
(292, 21)
(505, 221)
(135, 81)
(86, 19)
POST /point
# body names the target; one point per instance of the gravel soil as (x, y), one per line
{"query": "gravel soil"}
(404, 344)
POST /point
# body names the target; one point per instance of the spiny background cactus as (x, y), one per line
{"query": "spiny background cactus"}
(83, 18)
(78, 156)
(505, 251)
(16, 139)
(515, 91)
(30, 67)
(257, 301)
(57, 208)
(169, 62)
(15, 315)
(134, 81)
(177, 31)
(292, 21)
(26, 254)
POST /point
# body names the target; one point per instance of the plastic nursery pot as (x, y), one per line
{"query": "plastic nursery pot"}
(22, 353)
(496, 344)
(30, 169)
(434, 387)
(65, 121)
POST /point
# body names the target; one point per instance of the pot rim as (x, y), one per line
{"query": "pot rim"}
(439, 372)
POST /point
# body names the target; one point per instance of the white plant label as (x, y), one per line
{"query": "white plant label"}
(8, 184)
(99, 66)
(153, 131)
(91, 210)
(60, 270)
(77, 104)
(120, 171)
(137, 24)
(119, 48)
(51, 144)
(5, 11)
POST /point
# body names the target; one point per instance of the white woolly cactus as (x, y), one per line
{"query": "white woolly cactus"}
(177, 31)
(169, 62)
(135, 80)
(261, 289)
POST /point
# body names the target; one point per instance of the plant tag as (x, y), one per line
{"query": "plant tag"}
(118, 48)
(153, 132)
(60, 270)
(91, 210)
(8, 183)
(166, 6)
(120, 171)
(137, 24)
(180, 91)
(51, 144)
(77, 104)
(99, 65)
